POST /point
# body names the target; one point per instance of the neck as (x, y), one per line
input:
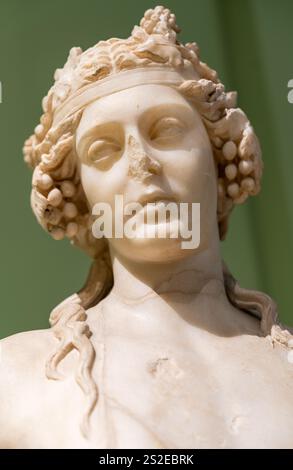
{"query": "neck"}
(196, 274)
(191, 289)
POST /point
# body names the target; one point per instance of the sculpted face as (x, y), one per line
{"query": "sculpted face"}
(148, 143)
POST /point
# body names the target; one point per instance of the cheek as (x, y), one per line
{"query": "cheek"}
(193, 175)
(101, 186)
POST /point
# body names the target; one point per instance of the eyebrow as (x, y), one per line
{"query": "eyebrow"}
(179, 108)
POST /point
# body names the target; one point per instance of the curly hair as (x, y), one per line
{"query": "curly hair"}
(58, 199)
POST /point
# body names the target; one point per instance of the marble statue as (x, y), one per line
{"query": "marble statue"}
(161, 348)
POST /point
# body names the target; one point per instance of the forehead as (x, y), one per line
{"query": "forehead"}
(127, 105)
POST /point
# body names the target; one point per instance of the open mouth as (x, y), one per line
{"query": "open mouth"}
(151, 206)
(155, 199)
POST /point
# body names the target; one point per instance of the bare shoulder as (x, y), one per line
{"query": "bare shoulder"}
(23, 357)
(22, 353)
(19, 351)
(271, 354)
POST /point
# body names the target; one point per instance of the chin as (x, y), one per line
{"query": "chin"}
(153, 250)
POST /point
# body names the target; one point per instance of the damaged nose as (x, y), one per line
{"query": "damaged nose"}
(141, 165)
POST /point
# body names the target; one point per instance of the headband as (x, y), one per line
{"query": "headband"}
(118, 82)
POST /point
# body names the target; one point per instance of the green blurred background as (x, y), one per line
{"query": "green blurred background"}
(249, 43)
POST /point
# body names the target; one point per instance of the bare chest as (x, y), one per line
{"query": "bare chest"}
(169, 396)
(167, 393)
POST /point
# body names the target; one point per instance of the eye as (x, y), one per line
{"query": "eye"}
(166, 130)
(103, 153)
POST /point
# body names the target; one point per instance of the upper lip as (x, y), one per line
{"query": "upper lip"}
(154, 196)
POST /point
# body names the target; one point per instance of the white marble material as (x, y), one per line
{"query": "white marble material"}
(161, 348)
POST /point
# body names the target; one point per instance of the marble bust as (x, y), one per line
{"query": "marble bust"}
(161, 348)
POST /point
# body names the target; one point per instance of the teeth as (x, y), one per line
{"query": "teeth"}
(159, 201)
(154, 205)
(154, 199)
